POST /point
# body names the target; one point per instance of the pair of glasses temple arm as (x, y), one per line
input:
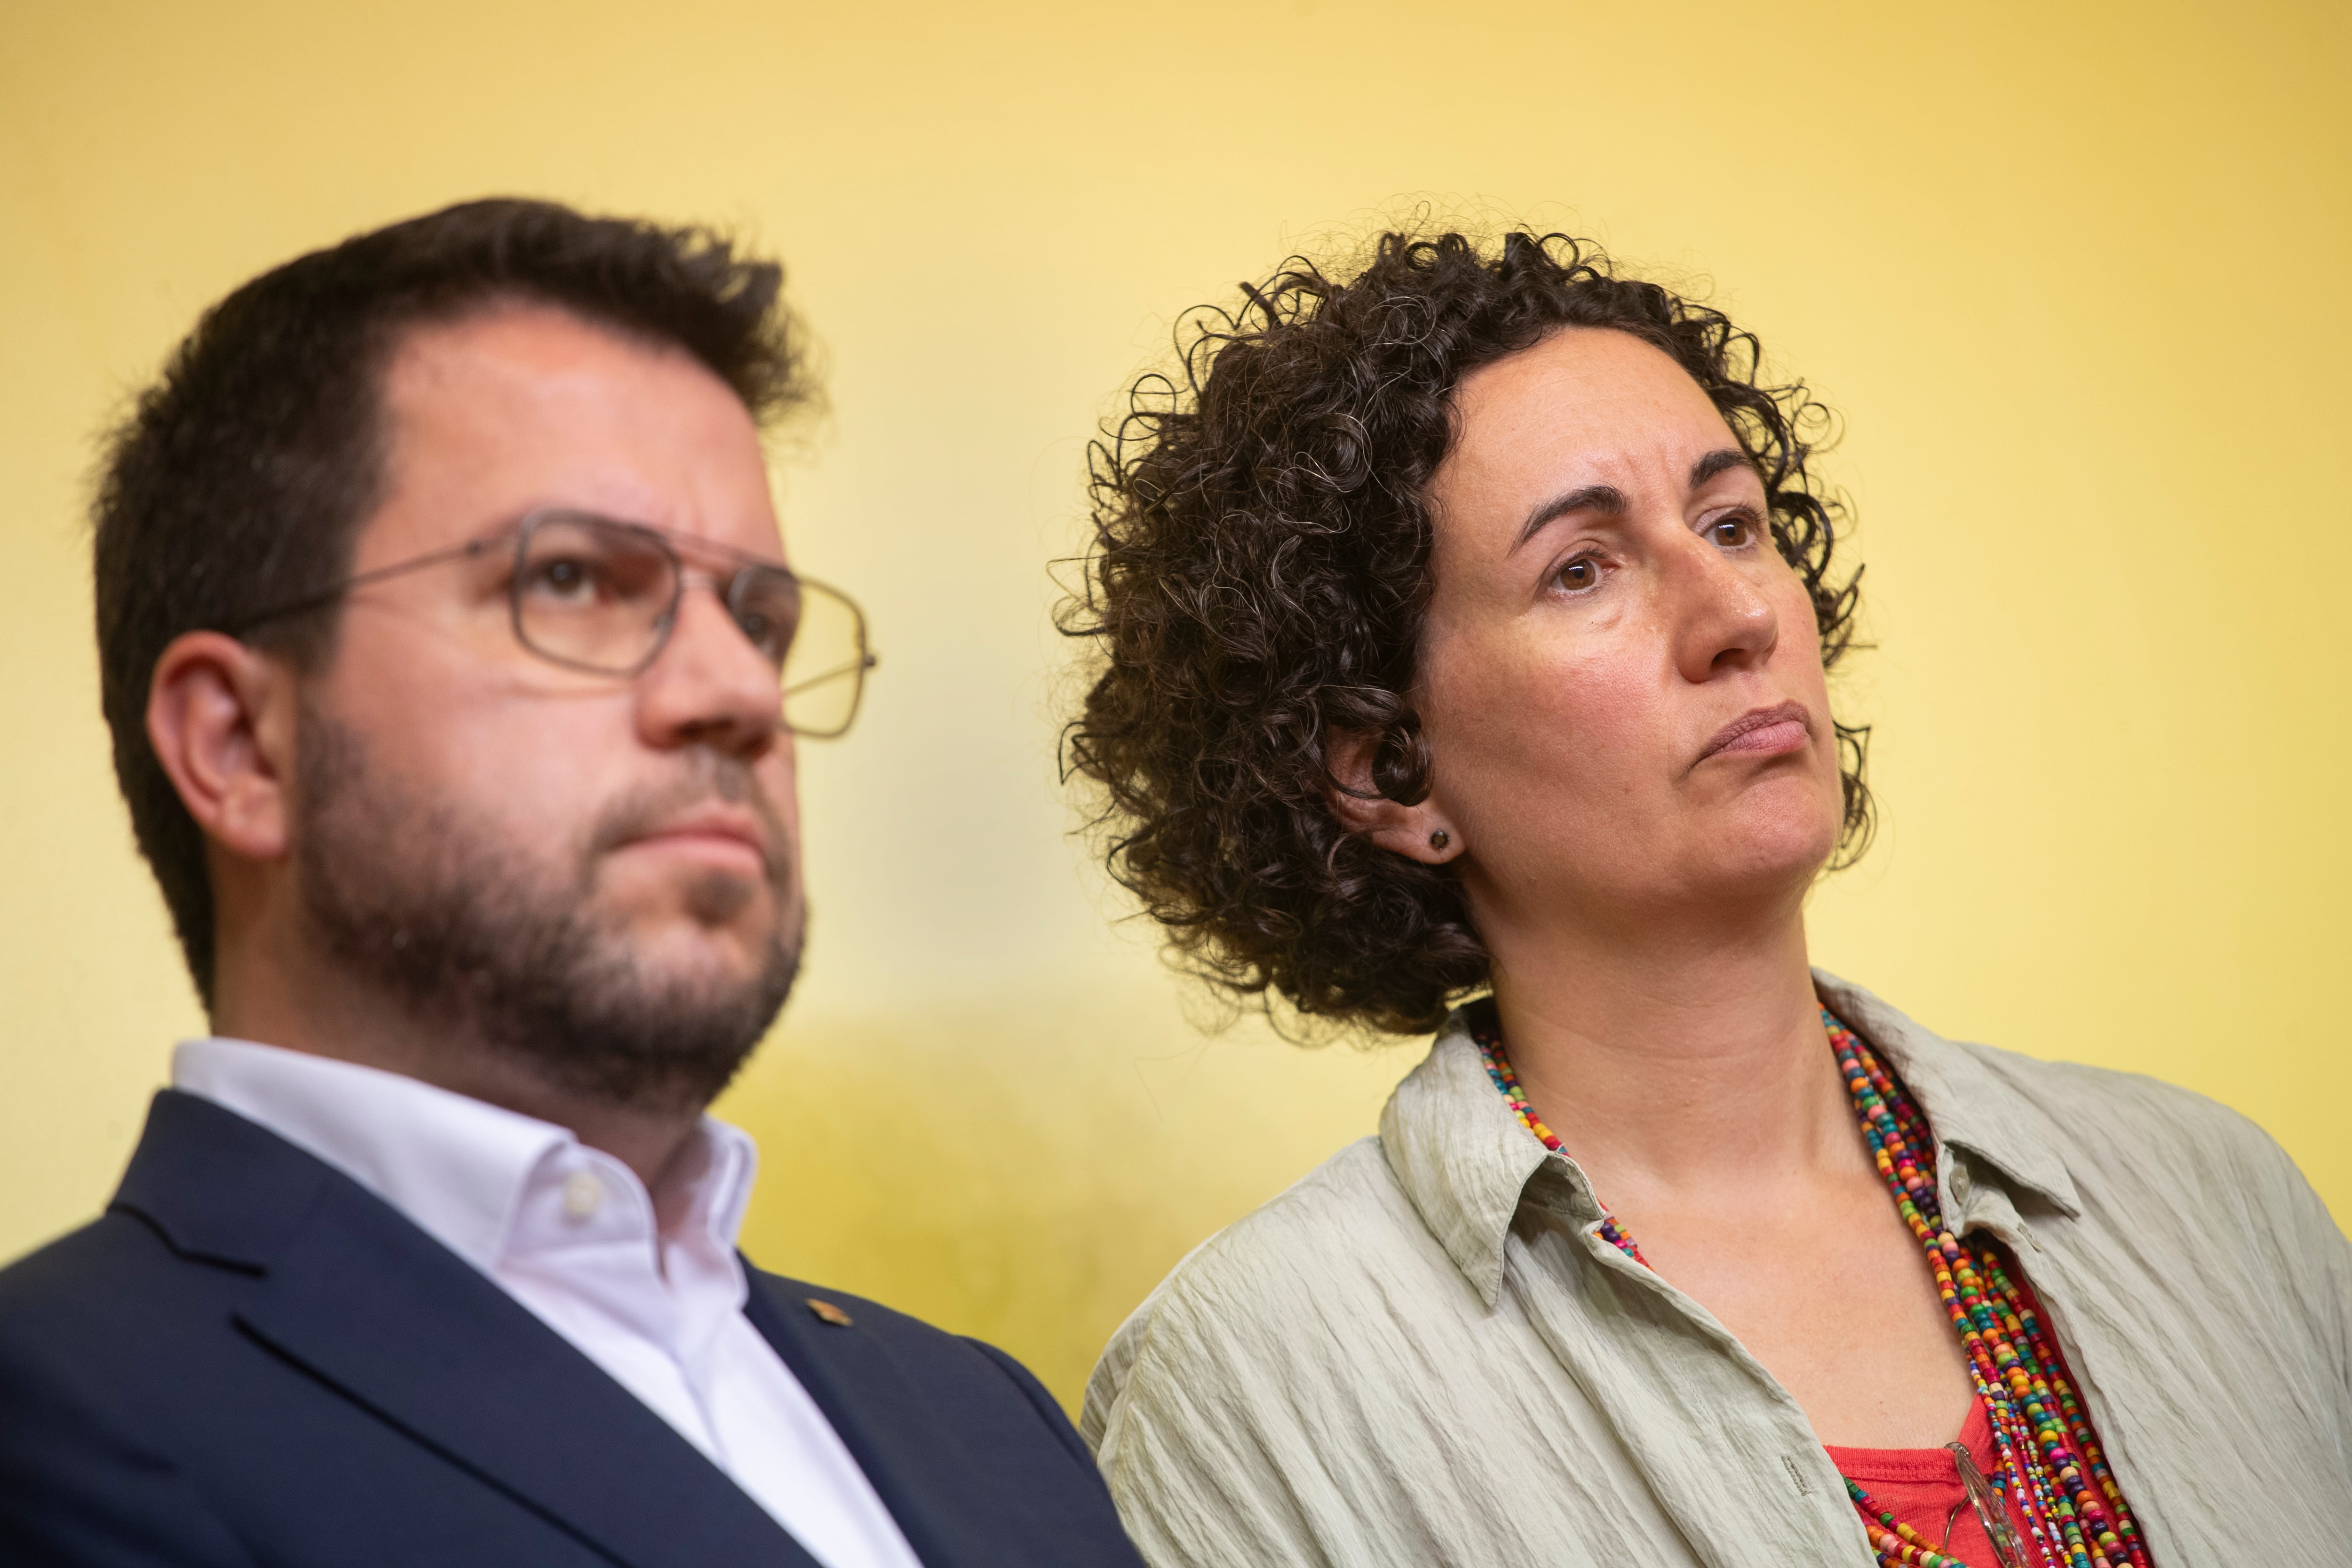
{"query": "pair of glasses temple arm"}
(858, 666)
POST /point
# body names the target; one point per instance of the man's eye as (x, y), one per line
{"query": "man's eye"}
(765, 633)
(561, 579)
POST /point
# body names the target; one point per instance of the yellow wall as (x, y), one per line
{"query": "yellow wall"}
(2073, 274)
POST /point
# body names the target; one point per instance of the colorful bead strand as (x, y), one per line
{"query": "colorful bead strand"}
(1498, 1070)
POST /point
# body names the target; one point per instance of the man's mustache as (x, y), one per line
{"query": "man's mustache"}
(711, 777)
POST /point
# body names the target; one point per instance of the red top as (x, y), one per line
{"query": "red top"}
(1921, 1487)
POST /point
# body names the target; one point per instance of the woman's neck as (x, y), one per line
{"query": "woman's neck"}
(1675, 1068)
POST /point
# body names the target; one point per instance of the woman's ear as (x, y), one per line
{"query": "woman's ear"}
(220, 717)
(1417, 832)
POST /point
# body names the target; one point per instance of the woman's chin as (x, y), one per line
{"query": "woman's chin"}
(1764, 852)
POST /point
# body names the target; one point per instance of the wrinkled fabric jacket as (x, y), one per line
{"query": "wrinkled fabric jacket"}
(1425, 1353)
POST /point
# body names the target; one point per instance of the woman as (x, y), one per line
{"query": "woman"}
(1463, 628)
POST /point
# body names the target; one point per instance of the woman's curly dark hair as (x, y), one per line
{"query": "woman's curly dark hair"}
(1258, 577)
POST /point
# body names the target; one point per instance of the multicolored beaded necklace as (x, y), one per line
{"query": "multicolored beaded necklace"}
(2051, 1468)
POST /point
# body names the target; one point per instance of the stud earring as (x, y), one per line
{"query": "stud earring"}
(1438, 840)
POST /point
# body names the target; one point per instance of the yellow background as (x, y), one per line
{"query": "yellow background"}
(2076, 277)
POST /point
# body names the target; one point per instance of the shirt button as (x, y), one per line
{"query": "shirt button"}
(583, 1194)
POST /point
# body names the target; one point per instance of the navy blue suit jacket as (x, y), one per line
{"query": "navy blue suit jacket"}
(251, 1360)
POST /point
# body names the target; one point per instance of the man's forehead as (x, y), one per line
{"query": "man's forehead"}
(518, 407)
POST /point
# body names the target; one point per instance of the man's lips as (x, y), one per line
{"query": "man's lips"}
(720, 835)
(1762, 731)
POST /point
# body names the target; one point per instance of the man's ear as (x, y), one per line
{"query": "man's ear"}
(221, 718)
(1417, 832)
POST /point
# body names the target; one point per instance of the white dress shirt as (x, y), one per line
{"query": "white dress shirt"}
(571, 1232)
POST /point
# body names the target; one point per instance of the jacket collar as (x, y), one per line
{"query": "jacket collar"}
(1466, 1162)
(376, 1309)
(218, 1188)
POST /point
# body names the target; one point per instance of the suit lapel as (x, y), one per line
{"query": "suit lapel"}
(373, 1307)
(830, 1363)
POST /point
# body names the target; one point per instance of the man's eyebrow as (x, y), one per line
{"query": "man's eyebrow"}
(1715, 463)
(1590, 498)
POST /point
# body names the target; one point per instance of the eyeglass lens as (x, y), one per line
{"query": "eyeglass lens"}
(825, 664)
(601, 596)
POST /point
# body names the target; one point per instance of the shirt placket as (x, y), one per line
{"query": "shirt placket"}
(1719, 1401)
(585, 1232)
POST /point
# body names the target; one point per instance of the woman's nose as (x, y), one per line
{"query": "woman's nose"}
(1721, 617)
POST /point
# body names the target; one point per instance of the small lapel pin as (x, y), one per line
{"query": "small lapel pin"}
(826, 1312)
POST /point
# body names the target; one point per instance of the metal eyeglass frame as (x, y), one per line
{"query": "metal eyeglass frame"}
(517, 536)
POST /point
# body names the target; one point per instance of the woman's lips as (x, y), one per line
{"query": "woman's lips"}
(1762, 731)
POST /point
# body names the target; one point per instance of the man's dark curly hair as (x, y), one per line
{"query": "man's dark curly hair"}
(1258, 578)
(240, 479)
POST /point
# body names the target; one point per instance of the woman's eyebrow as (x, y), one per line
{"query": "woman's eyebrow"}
(1610, 499)
(1587, 498)
(1717, 462)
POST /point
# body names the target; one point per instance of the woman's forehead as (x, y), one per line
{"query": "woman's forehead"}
(1581, 388)
(1586, 406)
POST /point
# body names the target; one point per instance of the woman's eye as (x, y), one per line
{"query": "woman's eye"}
(1733, 532)
(1579, 574)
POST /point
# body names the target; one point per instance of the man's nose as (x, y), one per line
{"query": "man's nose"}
(711, 685)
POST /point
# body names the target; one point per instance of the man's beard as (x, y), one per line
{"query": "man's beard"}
(465, 934)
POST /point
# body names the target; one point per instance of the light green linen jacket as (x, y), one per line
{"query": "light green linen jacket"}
(1424, 1353)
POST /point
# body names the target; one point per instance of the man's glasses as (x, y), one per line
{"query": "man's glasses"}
(593, 594)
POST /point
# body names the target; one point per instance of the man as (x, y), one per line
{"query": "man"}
(444, 620)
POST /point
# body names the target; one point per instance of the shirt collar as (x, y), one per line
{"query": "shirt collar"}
(1465, 1160)
(458, 1168)
(1970, 1104)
